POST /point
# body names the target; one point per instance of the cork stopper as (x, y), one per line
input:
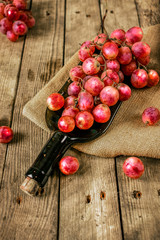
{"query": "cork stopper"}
(30, 186)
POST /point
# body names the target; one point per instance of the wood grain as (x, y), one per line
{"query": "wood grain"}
(83, 214)
(88, 201)
(148, 12)
(9, 68)
(140, 214)
(121, 14)
(21, 216)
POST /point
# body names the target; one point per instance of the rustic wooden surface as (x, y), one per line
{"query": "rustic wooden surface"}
(98, 202)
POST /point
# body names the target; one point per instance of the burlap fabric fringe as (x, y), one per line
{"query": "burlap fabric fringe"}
(127, 135)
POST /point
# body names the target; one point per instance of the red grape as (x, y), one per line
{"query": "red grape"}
(141, 49)
(70, 111)
(109, 95)
(113, 65)
(12, 14)
(70, 101)
(133, 167)
(7, 7)
(55, 101)
(91, 66)
(124, 55)
(5, 25)
(129, 68)
(84, 120)
(101, 113)
(150, 116)
(153, 78)
(118, 34)
(11, 36)
(99, 40)
(85, 101)
(124, 91)
(134, 34)
(19, 28)
(94, 86)
(139, 78)
(109, 77)
(89, 45)
(74, 89)
(144, 61)
(69, 165)
(110, 50)
(66, 124)
(76, 73)
(83, 54)
(121, 76)
(20, 4)
(2, 7)
(23, 16)
(6, 134)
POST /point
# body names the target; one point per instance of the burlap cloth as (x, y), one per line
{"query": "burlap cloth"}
(127, 135)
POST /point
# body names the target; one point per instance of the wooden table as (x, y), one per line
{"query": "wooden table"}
(98, 202)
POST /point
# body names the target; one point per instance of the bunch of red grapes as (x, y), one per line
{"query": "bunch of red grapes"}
(97, 84)
(15, 19)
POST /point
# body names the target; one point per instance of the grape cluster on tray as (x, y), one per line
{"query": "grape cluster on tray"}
(98, 84)
(15, 19)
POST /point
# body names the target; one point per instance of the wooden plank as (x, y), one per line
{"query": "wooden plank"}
(83, 214)
(140, 214)
(148, 12)
(121, 14)
(23, 217)
(9, 67)
(88, 201)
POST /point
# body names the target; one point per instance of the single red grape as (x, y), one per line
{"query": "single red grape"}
(12, 14)
(74, 89)
(110, 50)
(5, 25)
(85, 101)
(66, 124)
(20, 4)
(70, 111)
(99, 40)
(133, 167)
(69, 165)
(84, 120)
(109, 95)
(11, 36)
(55, 101)
(94, 86)
(134, 34)
(150, 116)
(110, 77)
(124, 55)
(139, 78)
(113, 65)
(144, 61)
(6, 134)
(19, 28)
(91, 66)
(153, 78)
(124, 91)
(76, 73)
(141, 49)
(101, 113)
(129, 68)
(118, 34)
(70, 101)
